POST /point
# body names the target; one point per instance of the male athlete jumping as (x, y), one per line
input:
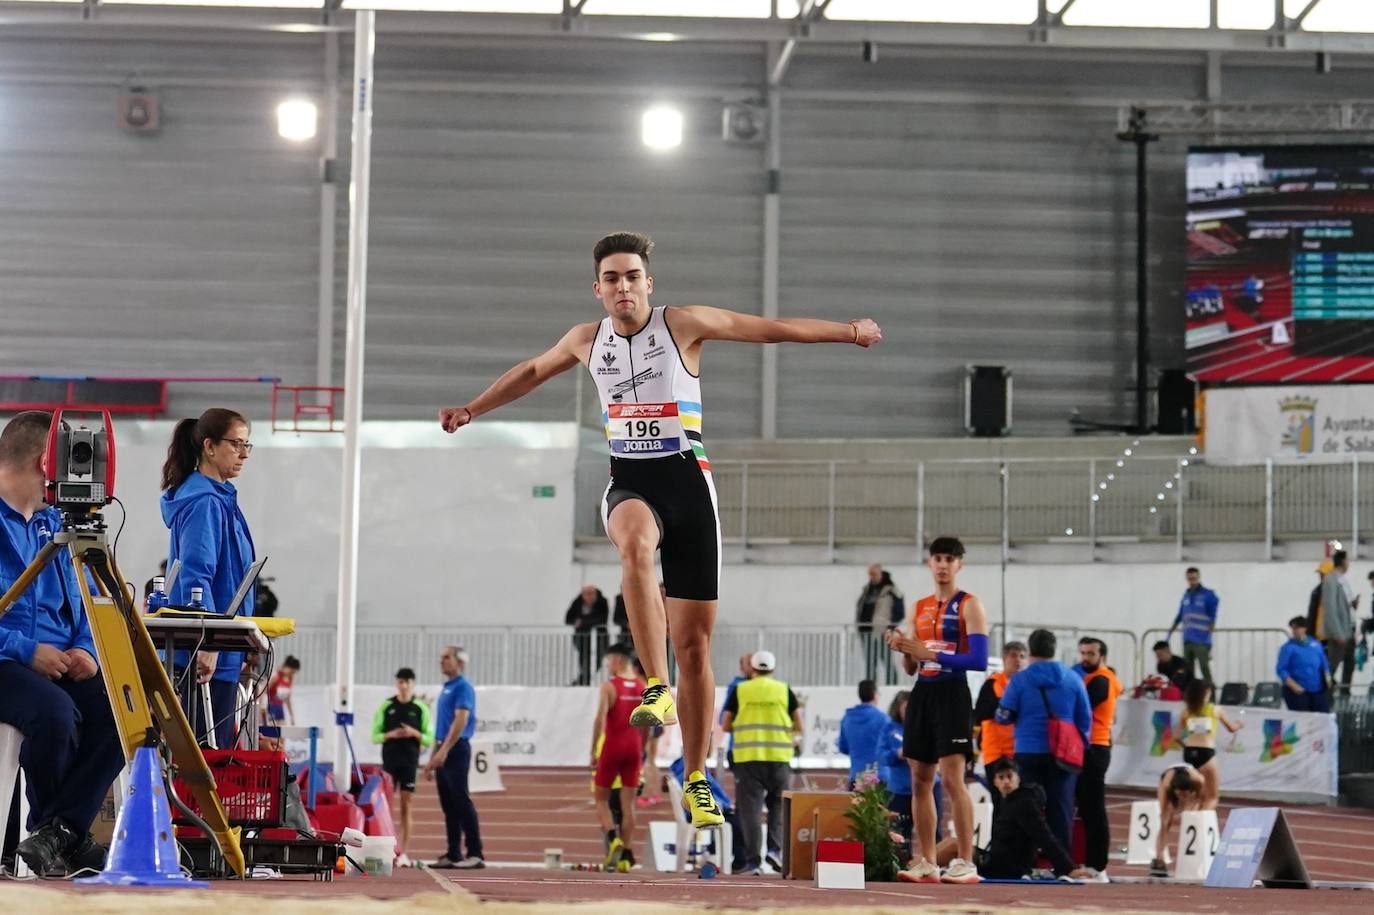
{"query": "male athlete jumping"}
(645, 363)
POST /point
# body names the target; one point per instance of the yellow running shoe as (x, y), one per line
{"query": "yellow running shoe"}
(614, 854)
(697, 797)
(655, 707)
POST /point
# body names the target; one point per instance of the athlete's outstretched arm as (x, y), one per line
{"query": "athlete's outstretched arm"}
(522, 378)
(701, 322)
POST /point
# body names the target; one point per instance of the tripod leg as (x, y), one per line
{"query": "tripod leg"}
(26, 578)
(136, 679)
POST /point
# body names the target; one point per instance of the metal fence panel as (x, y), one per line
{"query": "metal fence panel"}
(1312, 500)
(1048, 499)
(963, 498)
(1238, 655)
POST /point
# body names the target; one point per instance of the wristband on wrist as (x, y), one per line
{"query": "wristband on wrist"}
(856, 331)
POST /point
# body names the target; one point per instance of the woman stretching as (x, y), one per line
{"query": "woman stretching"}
(1199, 727)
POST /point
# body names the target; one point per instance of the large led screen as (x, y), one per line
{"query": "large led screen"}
(1280, 264)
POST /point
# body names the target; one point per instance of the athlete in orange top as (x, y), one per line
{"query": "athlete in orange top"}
(996, 739)
(1091, 791)
(948, 637)
(622, 753)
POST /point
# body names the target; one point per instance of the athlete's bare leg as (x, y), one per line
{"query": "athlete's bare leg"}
(603, 809)
(960, 804)
(403, 799)
(627, 814)
(634, 532)
(691, 623)
(923, 807)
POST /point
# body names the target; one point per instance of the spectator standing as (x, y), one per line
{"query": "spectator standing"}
(1044, 686)
(995, 739)
(455, 723)
(1303, 670)
(1170, 666)
(880, 606)
(766, 720)
(1197, 614)
(1336, 620)
(1091, 793)
(746, 670)
(587, 615)
(403, 726)
(279, 708)
(861, 731)
(894, 771)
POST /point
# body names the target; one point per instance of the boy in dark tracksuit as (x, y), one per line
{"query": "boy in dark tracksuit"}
(402, 726)
(1020, 833)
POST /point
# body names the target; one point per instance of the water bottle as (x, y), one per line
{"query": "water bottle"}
(157, 600)
(197, 599)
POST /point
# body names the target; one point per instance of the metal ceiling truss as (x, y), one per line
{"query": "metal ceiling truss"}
(1205, 118)
(577, 19)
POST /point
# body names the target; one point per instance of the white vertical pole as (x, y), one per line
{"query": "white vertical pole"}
(768, 412)
(364, 41)
(329, 193)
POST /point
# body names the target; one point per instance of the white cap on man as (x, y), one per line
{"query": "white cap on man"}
(764, 661)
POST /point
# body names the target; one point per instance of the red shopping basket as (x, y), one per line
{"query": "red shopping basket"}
(251, 786)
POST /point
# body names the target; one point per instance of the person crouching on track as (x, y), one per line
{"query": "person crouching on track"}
(622, 755)
(51, 690)
(209, 534)
(1180, 790)
(403, 725)
(1020, 833)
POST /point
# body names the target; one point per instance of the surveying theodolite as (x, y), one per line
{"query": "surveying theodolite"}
(79, 474)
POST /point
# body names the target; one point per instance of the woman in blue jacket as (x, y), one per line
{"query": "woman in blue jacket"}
(210, 536)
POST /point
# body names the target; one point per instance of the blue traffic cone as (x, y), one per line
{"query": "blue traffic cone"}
(143, 851)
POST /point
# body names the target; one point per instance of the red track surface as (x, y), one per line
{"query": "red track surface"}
(543, 808)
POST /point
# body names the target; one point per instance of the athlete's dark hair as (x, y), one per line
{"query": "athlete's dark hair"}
(1089, 640)
(1013, 646)
(947, 546)
(24, 437)
(1192, 570)
(292, 662)
(1181, 780)
(868, 690)
(1005, 764)
(622, 243)
(1298, 621)
(1195, 694)
(1164, 645)
(1042, 643)
(183, 454)
(405, 673)
(895, 706)
(621, 649)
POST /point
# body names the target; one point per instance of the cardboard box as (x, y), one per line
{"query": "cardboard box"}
(103, 827)
(799, 824)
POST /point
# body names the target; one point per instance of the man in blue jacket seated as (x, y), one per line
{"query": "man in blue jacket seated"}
(1020, 834)
(1304, 670)
(861, 730)
(727, 808)
(1045, 686)
(51, 690)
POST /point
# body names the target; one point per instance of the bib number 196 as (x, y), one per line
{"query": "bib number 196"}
(642, 428)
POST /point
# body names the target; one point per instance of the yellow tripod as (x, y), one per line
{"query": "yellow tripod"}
(141, 695)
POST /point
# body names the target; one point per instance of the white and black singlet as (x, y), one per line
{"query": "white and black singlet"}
(651, 411)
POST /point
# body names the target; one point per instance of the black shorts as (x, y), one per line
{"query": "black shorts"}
(402, 771)
(939, 721)
(683, 500)
(1197, 757)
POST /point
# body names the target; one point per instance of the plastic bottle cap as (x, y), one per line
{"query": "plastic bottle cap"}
(159, 583)
(196, 593)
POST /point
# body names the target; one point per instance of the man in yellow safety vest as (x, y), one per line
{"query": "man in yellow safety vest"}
(766, 722)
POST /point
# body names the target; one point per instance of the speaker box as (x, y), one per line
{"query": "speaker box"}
(1176, 405)
(987, 400)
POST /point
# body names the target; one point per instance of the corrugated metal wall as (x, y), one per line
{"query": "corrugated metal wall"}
(976, 203)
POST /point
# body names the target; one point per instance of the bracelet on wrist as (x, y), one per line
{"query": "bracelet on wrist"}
(855, 325)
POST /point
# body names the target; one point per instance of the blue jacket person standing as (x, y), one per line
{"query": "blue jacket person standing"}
(51, 690)
(1197, 614)
(861, 731)
(209, 534)
(455, 723)
(1303, 670)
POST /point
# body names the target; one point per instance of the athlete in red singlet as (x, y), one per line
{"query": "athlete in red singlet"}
(622, 753)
